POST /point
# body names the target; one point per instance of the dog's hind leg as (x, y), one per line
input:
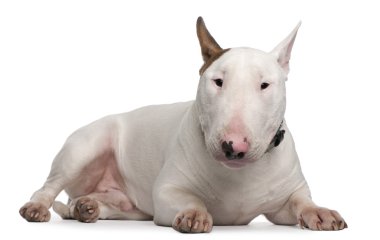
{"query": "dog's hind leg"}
(81, 148)
(96, 206)
(83, 209)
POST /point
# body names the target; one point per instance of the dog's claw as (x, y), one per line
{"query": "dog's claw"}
(189, 223)
(196, 224)
(342, 225)
(177, 221)
(319, 226)
(206, 228)
(301, 223)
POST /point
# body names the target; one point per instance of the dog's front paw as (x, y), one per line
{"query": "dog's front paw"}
(316, 218)
(193, 221)
(35, 212)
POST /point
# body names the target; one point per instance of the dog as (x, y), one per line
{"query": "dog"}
(223, 159)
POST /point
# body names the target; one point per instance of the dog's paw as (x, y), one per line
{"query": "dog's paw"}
(35, 212)
(193, 221)
(86, 210)
(316, 218)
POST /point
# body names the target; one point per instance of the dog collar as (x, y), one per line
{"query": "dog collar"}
(277, 139)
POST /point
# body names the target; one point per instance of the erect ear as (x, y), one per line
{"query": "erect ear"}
(208, 44)
(283, 50)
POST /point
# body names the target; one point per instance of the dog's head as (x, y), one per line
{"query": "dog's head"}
(241, 97)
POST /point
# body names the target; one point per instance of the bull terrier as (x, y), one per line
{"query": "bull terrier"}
(223, 159)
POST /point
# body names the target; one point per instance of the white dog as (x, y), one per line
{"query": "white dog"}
(222, 159)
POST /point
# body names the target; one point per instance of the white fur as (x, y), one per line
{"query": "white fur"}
(171, 164)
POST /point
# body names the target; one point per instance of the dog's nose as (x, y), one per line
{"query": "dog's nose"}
(235, 149)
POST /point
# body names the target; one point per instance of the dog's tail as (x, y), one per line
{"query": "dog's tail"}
(62, 210)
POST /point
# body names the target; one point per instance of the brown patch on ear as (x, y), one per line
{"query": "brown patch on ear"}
(211, 60)
(208, 44)
(209, 47)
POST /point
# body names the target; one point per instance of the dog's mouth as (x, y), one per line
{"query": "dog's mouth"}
(235, 163)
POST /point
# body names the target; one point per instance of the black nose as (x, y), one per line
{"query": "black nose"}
(229, 152)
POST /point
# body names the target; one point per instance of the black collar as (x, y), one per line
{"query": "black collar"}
(277, 139)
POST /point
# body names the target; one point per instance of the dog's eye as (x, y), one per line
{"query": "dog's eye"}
(264, 85)
(218, 82)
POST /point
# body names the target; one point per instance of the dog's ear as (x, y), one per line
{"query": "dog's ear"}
(208, 44)
(283, 50)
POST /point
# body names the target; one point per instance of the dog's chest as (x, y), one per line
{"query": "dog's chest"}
(241, 205)
(239, 199)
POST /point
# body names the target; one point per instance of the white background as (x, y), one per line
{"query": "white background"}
(64, 64)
